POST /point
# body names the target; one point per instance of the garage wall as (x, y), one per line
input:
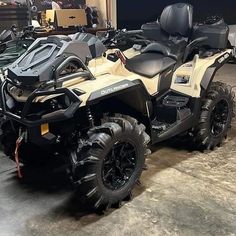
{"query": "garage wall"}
(101, 4)
(132, 14)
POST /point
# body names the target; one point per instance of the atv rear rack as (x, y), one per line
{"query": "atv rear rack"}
(54, 116)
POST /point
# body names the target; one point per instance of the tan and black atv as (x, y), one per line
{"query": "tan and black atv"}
(97, 109)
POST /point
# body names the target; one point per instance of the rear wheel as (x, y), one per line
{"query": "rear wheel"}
(111, 163)
(216, 116)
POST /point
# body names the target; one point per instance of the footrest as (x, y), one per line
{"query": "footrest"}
(175, 101)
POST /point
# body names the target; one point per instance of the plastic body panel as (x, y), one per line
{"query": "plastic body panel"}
(217, 35)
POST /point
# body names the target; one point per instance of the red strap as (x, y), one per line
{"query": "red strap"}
(18, 143)
(121, 56)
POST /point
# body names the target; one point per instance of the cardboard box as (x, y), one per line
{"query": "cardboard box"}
(66, 17)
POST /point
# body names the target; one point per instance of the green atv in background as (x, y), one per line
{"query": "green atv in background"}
(13, 44)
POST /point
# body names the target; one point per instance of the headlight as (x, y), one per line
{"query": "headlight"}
(60, 102)
(54, 104)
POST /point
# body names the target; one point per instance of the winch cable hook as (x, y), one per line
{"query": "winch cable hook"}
(18, 144)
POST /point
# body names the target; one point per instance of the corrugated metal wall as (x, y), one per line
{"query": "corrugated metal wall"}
(10, 15)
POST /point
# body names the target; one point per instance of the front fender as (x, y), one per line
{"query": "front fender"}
(132, 93)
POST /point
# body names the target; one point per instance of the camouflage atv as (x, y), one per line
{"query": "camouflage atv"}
(98, 109)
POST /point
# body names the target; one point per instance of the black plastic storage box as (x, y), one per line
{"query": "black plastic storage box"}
(217, 35)
(153, 31)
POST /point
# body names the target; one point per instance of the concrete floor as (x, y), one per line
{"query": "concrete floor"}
(183, 192)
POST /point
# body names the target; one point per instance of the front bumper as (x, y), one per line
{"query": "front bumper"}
(59, 115)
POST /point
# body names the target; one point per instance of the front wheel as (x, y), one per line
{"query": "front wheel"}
(216, 116)
(111, 163)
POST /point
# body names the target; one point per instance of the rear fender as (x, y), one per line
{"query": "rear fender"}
(211, 71)
(194, 78)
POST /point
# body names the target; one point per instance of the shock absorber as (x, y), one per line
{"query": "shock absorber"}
(90, 116)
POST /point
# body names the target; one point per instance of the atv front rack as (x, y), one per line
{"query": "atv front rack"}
(57, 81)
(55, 116)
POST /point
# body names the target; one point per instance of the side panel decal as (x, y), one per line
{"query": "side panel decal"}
(110, 90)
(211, 71)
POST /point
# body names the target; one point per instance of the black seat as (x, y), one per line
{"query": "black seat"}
(177, 22)
(167, 48)
(177, 19)
(149, 64)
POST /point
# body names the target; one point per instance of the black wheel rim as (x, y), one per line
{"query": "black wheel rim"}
(219, 117)
(119, 165)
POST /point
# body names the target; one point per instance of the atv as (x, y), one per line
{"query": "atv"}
(7, 35)
(13, 44)
(97, 110)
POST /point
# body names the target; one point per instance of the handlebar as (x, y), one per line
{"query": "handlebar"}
(122, 37)
(131, 32)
